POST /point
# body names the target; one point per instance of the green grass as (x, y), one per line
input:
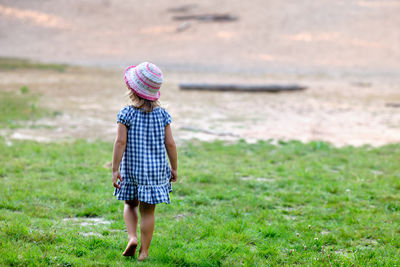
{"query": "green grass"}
(235, 204)
(18, 108)
(14, 63)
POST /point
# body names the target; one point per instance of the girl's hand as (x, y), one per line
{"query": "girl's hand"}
(115, 177)
(174, 175)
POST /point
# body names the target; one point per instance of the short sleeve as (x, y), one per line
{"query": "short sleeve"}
(167, 117)
(124, 116)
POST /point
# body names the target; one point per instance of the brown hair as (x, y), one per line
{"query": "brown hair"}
(141, 103)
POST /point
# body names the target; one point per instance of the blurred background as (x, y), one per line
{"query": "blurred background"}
(346, 52)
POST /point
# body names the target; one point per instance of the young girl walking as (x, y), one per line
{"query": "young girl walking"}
(141, 173)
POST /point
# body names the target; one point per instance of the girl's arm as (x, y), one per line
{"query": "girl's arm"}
(119, 149)
(171, 151)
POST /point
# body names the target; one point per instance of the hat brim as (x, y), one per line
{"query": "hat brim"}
(136, 90)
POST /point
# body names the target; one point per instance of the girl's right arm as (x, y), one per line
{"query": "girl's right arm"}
(119, 149)
(171, 151)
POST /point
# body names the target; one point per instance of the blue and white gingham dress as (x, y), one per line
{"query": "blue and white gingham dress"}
(144, 167)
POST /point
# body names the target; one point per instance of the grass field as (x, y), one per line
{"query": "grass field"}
(235, 204)
(251, 204)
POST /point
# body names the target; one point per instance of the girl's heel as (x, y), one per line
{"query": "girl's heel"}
(130, 248)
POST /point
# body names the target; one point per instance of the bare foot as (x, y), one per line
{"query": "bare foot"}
(143, 255)
(130, 248)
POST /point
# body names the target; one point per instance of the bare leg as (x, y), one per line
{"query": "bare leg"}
(131, 220)
(146, 228)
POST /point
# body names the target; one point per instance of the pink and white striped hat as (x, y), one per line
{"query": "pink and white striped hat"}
(145, 80)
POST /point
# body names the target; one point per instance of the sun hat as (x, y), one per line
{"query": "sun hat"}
(144, 80)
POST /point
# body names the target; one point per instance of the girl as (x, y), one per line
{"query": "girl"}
(139, 159)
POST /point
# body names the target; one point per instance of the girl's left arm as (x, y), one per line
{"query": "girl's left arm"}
(119, 149)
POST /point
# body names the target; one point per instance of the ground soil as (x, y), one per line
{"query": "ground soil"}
(89, 99)
(346, 52)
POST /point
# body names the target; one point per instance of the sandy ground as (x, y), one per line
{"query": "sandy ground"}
(340, 111)
(346, 51)
(269, 36)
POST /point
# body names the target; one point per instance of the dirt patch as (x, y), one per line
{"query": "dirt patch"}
(336, 111)
(90, 226)
(84, 222)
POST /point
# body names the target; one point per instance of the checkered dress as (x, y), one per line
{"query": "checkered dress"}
(144, 167)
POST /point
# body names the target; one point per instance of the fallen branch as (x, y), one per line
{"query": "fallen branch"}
(207, 17)
(393, 105)
(241, 87)
(183, 8)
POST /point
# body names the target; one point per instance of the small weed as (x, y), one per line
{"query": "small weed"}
(24, 89)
